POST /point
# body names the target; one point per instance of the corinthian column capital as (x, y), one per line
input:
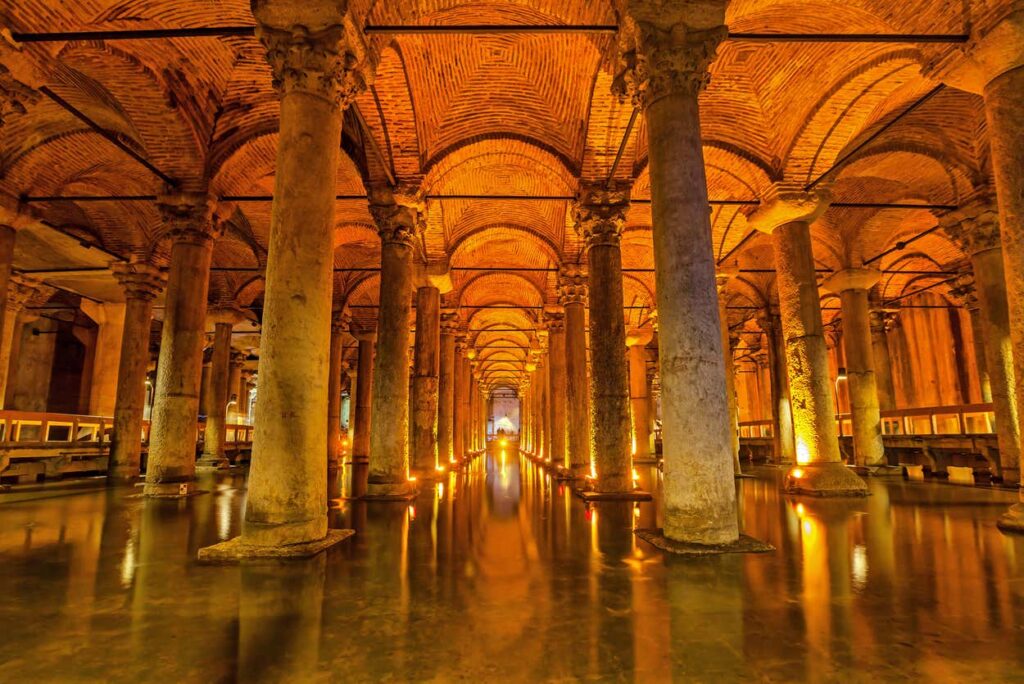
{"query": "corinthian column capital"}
(788, 204)
(449, 322)
(599, 212)
(657, 60)
(315, 50)
(572, 285)
(139, 279)
(189, 217)
(996, 46)
(974, 227)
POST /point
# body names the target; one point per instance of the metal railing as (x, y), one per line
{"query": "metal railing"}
(965, 419)
(29, 428)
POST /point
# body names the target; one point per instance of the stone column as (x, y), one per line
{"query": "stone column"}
(572, 291)
(881, 323)
(109, 316)
(637, 340)
(968, 298)
(339, 329)
(555, 321)
(666, 60)
(473, 424)
(459, 399)
(820, 470)
(141, 283)
(20, 290)
(224, 320)
(363, 421)
(171, 464)
(852, 286)
(544, 403)
(318, 62)
(730, 373)
(468, 368)
(782, 416)
(235, 388)
(425, 382)
(975, 229)
(8, 234)
(398, 227)
(446, 387)
(600, 214)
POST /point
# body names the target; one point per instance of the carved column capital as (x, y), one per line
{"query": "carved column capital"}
(881, 321)
(15, 96)
(189, 217)
(974, 227)
(963, 291)
(341, 322)
(332, 62)
(554, 321)
(449, 322)
(21, 290)
(139, 279)
(572, 285)
(599, 212)
(657, 61)
(397, 224)
(788, 204)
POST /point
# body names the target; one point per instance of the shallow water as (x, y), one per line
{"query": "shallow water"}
(500, 574)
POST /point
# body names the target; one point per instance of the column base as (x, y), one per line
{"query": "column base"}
(171, 490)
(825, 479)
(123, 476)
(210, 462)
(387, 491)
(744, 544)
(237, 550)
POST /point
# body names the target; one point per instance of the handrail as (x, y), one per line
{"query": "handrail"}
(35, 428)
(961, 419)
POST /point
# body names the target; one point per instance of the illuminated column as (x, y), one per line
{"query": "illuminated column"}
(572, 291)
(339, 329)
(637, 340)
(141, 283)
(555, 321)
(363, 413)
(317, 61)
(666, 58)
(600, 214)
(446, 386)
(425, 381)
(224, 320)
(975, 229)
(881, 323)
(20, 290)
(171, 464)
(398, 227)
(469, 369)
(471, 411)
(787, 218)
(782, 416)
(235, 387)
(8, 234)
(963, 292)
(109, 317)
(730, 371)
(852, 286)
(458, 403)
(992, 65)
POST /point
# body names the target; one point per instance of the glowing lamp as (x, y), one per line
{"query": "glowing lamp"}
(796, 473)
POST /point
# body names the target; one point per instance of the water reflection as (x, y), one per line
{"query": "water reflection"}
(499, 573)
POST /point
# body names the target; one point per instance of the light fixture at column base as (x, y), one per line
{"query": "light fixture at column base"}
(631, 495)
(212, 464)
(236, 550)
(171, 490)
(1013, 520)
(744, 544)
(825, 479)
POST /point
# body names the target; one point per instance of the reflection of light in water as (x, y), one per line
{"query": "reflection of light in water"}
(128, 562)
(440, 490)
(412, 513)
(504, 465)
(860, 566)
(224, 515)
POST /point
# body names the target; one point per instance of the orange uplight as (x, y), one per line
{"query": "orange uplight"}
(412, 478)
(636, 476)
(439, 468)
(796, 473)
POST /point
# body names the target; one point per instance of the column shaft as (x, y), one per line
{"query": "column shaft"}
(7, 239)
(334, 436)
(883, 362)
(980, 362)
(458, 403)
(860, 367)
(730, 385)
(446, 392)
(216, 417)
(557, 382)
(425, 382)
(577, 394)
(639, 402)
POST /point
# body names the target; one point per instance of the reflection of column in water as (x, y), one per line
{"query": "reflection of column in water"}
(706, 624)
(613, 609)
(279, 620)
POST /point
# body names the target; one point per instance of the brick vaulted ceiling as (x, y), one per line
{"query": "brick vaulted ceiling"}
(500, 114)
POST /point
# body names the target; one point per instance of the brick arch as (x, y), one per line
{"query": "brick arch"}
(492, 287)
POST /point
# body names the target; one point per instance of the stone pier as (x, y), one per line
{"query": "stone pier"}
(142, 283)
(446, 388)
(224, 320)
(340, 322)
(362, 422)
(572, 292)
(425, 383)
(637, 340)
(557, 381)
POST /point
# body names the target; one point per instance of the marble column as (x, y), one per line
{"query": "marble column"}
(363, 419)
(637, 340)
(224, 320)
(468, 370)
(665, 71)
(339, 331)
(970, 302)
(992, 65)
(171, 464)
(557, 381)
(318, 62)
(852, 286)
(728, 342)
(820, 470)
(459, 399)
(398, 226)
(446, 387)
(426, 382)
(142, 283)
(600, 214)
(572, 292)
(8, 235)
(975, 229)
(881, 323)
(19, 291)
(472, 425)
(782, 417)
(109, 317)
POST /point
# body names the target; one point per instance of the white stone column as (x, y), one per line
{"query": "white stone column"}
(223, 320)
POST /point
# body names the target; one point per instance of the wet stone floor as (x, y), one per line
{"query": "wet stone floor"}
(500, 574)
